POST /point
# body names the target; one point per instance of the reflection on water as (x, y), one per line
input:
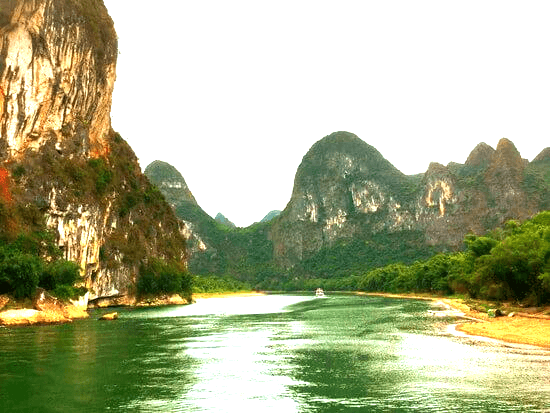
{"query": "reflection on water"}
(242, 355)
(274, 353)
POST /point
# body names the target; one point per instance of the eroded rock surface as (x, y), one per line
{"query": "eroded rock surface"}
(60, 160)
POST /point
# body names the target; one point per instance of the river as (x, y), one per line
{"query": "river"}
(276, 353)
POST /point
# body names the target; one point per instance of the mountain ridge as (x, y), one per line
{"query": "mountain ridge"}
(346, 194)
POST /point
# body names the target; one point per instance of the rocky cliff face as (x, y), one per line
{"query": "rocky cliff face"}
(57, 68)
(344, 189)
(61, 163)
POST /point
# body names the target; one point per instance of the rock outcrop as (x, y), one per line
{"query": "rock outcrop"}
(543, 156)
(46, 310)
(172, 185)
(343, 188)
(109, 316)
(60, 161)
(480, 156)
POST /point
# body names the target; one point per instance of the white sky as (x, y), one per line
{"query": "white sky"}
(234, 93)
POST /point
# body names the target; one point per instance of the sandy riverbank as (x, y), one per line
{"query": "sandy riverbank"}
(531, 329)
(28, 316)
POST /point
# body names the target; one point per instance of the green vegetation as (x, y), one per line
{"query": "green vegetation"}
(246, 255)
(59, 277)
(161, 277)
(537, 181)
(102, 174)
(369, 255)
(236, 252)
(23, 268)
(140, 207)
(215, 284)
(508, 264)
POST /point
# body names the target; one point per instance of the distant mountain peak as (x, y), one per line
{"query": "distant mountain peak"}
(481, 155)
(544, 155)
(507, 157)
(341, 155)
(345, 143)
(271, 215)
(436, 167)
(169, 180)
(507, 147)
(223, 220)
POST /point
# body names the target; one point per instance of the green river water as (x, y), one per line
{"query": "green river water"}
(277, 353)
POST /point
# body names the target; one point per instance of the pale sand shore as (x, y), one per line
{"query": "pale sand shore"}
(27, 316)
(521, 329)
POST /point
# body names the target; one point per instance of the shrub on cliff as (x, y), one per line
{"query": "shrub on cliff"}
(103, 175)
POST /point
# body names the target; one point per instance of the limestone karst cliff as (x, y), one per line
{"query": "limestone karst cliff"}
(344, 189)
(61, 164)
(57, 75)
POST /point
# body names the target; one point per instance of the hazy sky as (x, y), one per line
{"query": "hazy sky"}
(234, 93)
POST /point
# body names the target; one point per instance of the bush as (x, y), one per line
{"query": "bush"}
(20, 273)
(104, 175)
(57, 273)
(65, 292)
(161, 277)
(22, 267)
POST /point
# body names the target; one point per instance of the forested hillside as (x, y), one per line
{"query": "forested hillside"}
(511, 263)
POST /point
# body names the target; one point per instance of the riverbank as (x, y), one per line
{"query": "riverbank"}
(46, 310)
(52, 311)
(519, 328)
(202, 296)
